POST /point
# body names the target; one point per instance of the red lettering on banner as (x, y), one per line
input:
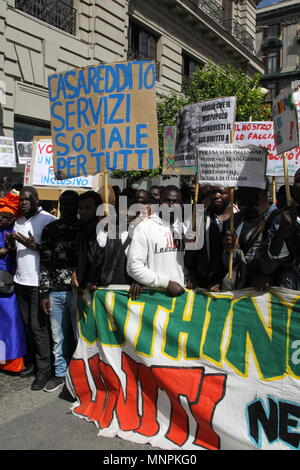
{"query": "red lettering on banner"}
(178, 382)
(202, 391)
(212, 392)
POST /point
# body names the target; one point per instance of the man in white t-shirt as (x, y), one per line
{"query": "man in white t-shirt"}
(156, 256)
(27, 234)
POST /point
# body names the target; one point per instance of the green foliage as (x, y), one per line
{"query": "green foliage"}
(209, 82)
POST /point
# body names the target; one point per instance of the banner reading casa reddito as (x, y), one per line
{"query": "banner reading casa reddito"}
(261, 133)
(199, 371)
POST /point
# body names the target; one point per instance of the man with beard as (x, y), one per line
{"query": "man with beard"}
(281, 250)
(246, 241)
(205, 265)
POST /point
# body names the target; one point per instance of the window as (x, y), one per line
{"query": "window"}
(272, 31)
(189, 66)
(272, 87)
(26, 129)
(142, 45)
(58, 13)
(272, 62)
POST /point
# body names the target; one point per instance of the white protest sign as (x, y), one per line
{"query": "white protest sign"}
(261, 133)
(286, 133)
(205, 122)
(24, 150)
(231, 165)
(42, 169)
(7, 152)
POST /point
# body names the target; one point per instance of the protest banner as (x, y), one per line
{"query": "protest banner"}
(27, 171)
(261, 133)
(206, 122)
(169, 166)
(7, 152)
(286, 132)
(42, 170)
(104, 118)
(231, 165)
(199, 371)
(24, 150)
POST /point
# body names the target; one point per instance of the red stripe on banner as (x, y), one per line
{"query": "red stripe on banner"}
(149, 425)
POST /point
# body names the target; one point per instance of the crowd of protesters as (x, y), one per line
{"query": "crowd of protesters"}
(46, 259)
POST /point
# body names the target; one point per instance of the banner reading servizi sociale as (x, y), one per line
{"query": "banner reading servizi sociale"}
(206, 122)
(104, 118)
(198, 371)
(232, 165)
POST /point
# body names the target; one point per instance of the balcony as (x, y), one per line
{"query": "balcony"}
(240, 34)
(212, 8)
(53, 12)
(271, 43)
(134, 54)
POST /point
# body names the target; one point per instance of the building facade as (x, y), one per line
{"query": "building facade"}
(41, 37)
(278, 45)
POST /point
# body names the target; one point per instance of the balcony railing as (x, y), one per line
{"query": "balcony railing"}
(54, 12)
(134, 54)
(210, 7)
(240, 34)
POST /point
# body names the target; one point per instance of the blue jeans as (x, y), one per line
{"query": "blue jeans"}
(63, 327)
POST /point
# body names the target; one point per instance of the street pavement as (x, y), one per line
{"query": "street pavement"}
(36, 420)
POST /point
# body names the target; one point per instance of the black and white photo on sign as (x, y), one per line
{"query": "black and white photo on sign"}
(24, 150)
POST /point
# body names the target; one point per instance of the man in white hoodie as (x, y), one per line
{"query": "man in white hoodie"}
(156, 257)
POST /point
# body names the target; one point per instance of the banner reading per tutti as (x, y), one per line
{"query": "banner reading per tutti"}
(104, 118)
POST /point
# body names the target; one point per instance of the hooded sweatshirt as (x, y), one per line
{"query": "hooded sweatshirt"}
(155, 257)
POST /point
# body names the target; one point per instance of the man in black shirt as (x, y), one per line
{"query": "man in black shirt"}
(59, 256)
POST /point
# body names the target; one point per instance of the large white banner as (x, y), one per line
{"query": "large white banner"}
(199, 371)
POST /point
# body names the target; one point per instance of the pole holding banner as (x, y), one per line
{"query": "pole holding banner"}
(106, 211)
(195, 206)
(274, 198)
(286, 179)
(231, 216)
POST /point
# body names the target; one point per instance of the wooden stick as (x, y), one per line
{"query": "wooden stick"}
(231, 230)
(195, 207)
(106, 211)
(286, 180)
(274, 189)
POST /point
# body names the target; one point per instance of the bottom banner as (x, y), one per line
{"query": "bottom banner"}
(199, 371)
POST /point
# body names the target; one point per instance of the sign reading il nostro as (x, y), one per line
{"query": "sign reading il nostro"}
(104, 118)
(261, 133)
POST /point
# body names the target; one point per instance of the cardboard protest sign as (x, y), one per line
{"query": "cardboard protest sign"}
(24, 150)
(206, 122)
(104, 118)
(169, 167)
(261, 133)
(42, 170)
(286, 132)
(7, 152)
(231, 165)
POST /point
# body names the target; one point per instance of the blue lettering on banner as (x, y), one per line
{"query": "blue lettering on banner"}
(83, 102)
